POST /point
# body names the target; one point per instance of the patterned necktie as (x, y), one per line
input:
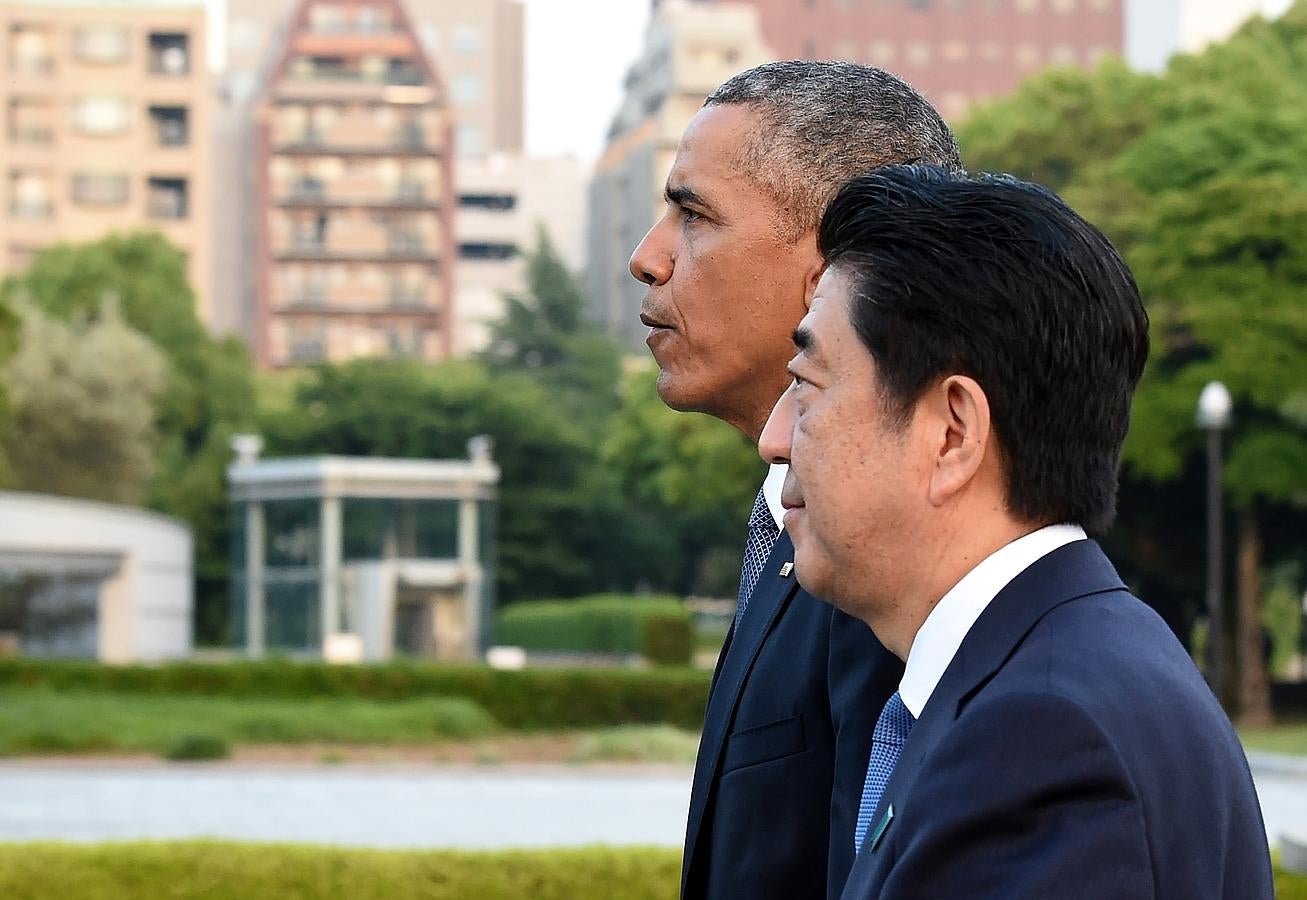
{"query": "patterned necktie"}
(887, 742)
(762, 538)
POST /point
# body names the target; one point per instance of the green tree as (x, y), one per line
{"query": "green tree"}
(82, 397)
(545, 333)
(208, 392)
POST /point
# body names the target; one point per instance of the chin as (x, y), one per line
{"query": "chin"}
(680, 396)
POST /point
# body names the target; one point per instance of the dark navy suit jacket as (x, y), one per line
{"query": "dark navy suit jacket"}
(1070, 750)
(785, 745)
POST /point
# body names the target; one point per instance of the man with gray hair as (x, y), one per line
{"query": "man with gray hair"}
(731, 268)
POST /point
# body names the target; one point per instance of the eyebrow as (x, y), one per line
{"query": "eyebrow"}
(684, 196)
(806, 342)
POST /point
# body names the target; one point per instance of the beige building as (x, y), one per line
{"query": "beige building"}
(354, 194)
(107, 124)
(478, 47)
(689, 50)
(503, 201)
(476, 51)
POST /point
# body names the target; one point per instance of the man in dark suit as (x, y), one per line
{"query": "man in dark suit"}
(961, 392)
(731, 267)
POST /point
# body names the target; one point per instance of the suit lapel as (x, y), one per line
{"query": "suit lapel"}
(768, 600)
(1075, 570)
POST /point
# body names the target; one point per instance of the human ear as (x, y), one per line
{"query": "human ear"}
(811, 264)
(961, 433)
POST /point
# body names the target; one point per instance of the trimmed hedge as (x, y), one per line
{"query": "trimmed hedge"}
(527, 699)
(603, 623)
(217, 870)
(668, 640)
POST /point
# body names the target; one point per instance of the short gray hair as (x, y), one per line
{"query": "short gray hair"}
(821, 123)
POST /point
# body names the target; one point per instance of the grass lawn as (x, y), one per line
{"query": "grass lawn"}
(1286, 737)
(212, 870)
(36, 721)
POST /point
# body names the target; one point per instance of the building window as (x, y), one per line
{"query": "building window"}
(491, 202)
(1027, 6)
(882, 53)
(466, 90)
(1062, 55)
(29, 195)
(919, 53)
(469, 140)
(30, 50)
(487, 250)
(167, 198)
(101, 116)
(100, 190)
(31, 122)
(170, 53)
(1064, 6)
(102, 44)
(1027, 55)
(466, 40)
(955, 51)
(170, 126)
(991, 51)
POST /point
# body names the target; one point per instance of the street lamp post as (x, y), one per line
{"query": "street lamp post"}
(1214, 406)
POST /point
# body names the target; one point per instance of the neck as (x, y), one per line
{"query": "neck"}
(897, 619)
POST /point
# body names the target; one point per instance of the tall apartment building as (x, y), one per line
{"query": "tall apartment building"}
(477, 50)
(689, 49)
(954, 51)
(107, 116)
(354, 193)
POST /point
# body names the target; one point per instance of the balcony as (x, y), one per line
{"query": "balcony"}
(32, 136)
(310, 297)
(316, 144)
(31, 209)
(411, 196)
(308, 250)
(305, 352)
(409, 299)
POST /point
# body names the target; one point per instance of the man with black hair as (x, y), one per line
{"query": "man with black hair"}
(953, 431)
(731, 267)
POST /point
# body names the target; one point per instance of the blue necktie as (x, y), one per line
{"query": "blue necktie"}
(886, 743)
(762, 538)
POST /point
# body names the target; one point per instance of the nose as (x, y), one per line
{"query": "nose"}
(778, 433)
(652, 260)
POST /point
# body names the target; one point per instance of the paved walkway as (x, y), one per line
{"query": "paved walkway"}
(472, 807)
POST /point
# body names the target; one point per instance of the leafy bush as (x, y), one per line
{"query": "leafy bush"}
(211, 870)
(603, 623)
(194, 747)
(531, 698)
(668, 640)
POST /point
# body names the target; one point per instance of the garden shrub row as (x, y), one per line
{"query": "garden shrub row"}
(602, 623)
(526, 699)
(213, 870)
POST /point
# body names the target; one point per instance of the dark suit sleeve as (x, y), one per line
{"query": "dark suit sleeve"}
(1025, 798)
(861, 676)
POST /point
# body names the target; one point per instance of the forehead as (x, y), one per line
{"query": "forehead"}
(714, 149)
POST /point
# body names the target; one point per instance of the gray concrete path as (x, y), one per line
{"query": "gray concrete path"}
(474, 808)
(351, 806)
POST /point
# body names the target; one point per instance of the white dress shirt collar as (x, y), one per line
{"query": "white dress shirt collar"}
(771, 492)
(939, 637)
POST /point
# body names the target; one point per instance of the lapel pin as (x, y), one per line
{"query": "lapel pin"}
(787, 569)
(882, 827)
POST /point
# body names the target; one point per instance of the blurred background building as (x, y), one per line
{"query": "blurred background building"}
(87, 580)
(354, 192)
(107, 128)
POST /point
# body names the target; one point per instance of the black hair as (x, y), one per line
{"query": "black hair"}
(999, 280)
